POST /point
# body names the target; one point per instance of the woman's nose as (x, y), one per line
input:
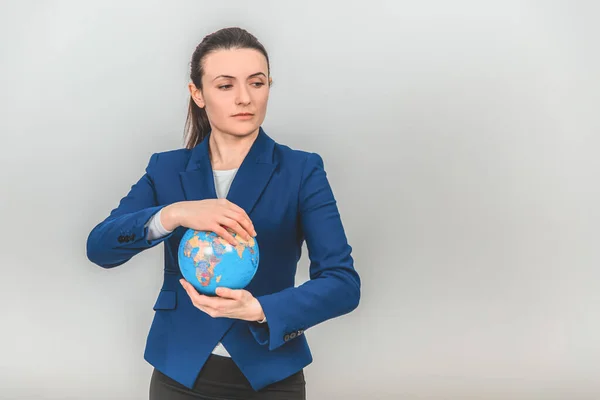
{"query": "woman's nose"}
(243, 96)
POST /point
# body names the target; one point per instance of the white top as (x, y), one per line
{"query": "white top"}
(223, 179)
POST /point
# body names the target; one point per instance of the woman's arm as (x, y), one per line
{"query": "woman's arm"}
(123, 233)
(155, 227)
(334, 285)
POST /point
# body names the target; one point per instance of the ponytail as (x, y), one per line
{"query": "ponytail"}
(197, 125)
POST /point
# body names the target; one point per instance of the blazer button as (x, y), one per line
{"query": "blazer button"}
(300, 331)
(286, 338)
(121, 239)
(292, 335)
(133, 236)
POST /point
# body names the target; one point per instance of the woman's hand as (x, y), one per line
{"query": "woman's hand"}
(230, 303)
(216, 215)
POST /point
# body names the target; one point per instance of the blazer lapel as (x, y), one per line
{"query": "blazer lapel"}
(197, 180)
(249, 182)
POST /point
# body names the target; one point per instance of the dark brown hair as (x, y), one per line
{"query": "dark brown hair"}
(196, 124)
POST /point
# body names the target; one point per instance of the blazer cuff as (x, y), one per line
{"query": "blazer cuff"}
(260, 332)
(276, 331)
(136, 236)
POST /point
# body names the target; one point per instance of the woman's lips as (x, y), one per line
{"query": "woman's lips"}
(243, 116)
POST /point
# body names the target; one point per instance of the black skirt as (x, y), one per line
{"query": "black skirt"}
(221, 379)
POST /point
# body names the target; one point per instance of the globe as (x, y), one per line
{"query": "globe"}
(208, 261)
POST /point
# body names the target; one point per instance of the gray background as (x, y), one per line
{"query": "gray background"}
(461, 140)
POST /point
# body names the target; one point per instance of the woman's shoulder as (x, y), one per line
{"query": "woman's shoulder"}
(171, 159)
(297, 157)
(174, 154)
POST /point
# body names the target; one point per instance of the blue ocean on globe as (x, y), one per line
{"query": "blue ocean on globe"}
(208, 261)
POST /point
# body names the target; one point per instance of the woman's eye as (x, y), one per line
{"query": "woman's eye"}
(225, 87)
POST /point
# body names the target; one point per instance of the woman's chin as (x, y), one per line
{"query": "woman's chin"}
(243, 129)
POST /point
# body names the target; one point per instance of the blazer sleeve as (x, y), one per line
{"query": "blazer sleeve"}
(334, 285)
(123, 234)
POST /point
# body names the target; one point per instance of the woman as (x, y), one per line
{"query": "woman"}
(232, 177)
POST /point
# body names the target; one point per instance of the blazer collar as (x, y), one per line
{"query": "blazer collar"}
(249, 182)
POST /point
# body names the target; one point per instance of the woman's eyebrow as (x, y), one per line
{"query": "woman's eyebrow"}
(233, 77)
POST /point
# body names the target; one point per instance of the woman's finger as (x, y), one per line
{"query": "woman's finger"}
(243, 221)
(222, 310)
(227, 293)
(233, 224)
(207, 310)
(198, 298)
(190, 290)
(243, 217)
(222, 232)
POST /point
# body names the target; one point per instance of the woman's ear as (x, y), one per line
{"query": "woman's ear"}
(270, 81)
(196, 95)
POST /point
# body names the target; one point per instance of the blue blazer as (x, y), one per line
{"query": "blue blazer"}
(287, 196)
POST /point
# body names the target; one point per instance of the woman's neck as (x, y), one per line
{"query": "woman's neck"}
(228, 151)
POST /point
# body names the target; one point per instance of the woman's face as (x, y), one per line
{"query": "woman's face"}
(234, 81)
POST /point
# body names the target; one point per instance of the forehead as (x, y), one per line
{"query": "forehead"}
(235, 62)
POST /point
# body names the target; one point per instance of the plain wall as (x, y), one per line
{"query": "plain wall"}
(461, 141)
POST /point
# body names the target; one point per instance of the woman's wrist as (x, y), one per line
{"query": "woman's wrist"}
(169, 216)
(258, 313)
